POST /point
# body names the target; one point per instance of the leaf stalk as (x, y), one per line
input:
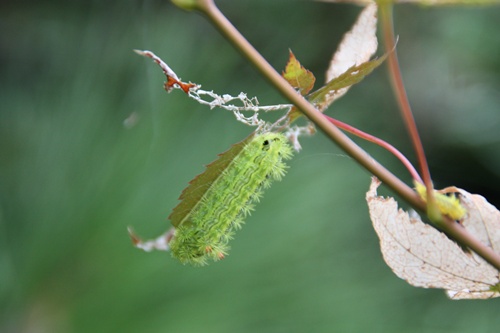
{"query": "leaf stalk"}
(385, 10)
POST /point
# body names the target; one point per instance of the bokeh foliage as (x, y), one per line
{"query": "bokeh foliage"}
(73, 177)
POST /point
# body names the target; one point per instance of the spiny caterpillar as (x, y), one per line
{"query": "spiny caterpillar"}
(203, 233)
(448, 205)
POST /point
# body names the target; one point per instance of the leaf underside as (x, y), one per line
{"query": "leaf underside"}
(426, 257)
(323, 97)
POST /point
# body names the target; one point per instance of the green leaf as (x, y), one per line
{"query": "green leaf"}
(298, 77)
(350, 62)
(324, 96)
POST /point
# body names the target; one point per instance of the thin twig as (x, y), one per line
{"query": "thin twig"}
(385, 10)
(387, 146)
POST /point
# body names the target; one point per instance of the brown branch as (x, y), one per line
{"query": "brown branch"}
(209, 8)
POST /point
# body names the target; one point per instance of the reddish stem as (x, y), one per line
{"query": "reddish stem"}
(379, 142)
(401, 96)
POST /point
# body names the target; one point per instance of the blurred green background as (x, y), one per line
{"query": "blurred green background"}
(73, 177)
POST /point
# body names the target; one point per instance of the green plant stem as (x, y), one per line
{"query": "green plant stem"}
(209, 8)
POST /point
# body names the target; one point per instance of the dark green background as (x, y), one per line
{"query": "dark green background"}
(72, 177)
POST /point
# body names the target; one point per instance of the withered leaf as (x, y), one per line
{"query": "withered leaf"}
(351, 62)
(425, 257)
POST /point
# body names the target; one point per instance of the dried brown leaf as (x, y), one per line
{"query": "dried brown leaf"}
(425, 257)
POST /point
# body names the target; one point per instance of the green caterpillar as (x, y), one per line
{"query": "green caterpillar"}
(204, 232)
